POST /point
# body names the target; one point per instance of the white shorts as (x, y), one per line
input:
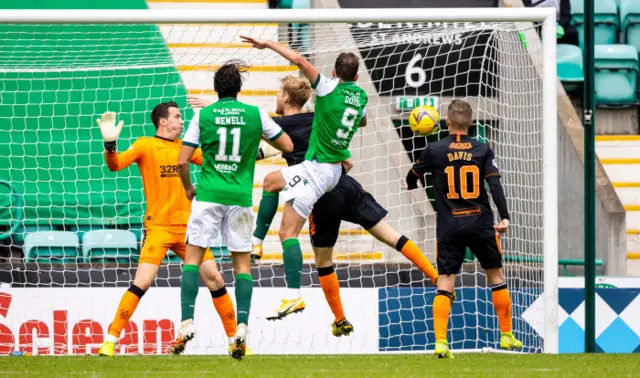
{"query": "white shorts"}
(307, 182)
(208, 220)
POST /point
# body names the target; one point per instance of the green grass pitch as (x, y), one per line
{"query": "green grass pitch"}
(413, 365)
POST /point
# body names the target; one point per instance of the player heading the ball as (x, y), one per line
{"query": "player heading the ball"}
(229, 132)
(340, 109)
(166, 216)
(460, 165)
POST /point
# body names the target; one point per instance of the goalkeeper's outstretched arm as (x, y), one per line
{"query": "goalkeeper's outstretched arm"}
(110, 132)
(309, 71)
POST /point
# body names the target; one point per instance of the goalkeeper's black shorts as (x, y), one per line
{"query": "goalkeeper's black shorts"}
(348, 201)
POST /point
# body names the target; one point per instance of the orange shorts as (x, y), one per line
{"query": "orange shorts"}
(157, 240)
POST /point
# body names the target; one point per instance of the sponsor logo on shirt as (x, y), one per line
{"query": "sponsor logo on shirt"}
(168, 170)
(226, 168)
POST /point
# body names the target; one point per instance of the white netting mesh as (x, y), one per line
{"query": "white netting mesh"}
(58, 78)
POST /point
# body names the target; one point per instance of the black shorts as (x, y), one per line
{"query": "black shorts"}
(450, 253)
(348, 202)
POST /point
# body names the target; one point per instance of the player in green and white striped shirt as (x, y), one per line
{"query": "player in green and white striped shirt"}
(340, 109)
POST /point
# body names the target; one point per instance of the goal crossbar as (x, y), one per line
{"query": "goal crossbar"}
(144, 16)
(544, 16)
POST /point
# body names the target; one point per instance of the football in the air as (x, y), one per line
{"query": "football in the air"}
(424, 120)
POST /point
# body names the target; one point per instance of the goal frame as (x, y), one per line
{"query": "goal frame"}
(546, 16)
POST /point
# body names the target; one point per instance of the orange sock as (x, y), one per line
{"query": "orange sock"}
(411, 251)
(126, 308)
(502, 304)
(224, 306)
(331, 288)
(441, 309)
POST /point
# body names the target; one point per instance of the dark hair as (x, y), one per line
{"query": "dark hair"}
(347, 66)
(228, 78)
(161, 111)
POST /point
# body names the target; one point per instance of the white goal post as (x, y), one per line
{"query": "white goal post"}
(544, 115)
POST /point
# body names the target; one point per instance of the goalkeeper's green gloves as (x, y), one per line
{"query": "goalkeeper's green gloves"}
(109, 130)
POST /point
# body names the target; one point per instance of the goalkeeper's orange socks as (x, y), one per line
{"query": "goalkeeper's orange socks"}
(441, 309)
(267, 210)
(224, 306)
(331, 288)
(502, 304)
(292, 261)
(126, 308)
(189, 290)
(411, 251)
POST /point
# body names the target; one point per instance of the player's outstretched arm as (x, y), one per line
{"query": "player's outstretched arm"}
(420, 167)
(283, 143)
(273, 134)
(309, 71)
(110, 132)
(492, 177)
(198, 102)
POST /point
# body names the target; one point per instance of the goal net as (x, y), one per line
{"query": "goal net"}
(71, 229)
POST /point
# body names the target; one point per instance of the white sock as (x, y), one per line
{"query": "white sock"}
(241, 330)
(256, 241)
(294, 293)
(111, 338)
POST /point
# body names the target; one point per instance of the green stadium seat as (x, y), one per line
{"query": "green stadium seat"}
(51, 247)
(570, 66)
(630, 21)
(616, 76)
(171, 258)
(607, 21)
(109, 246)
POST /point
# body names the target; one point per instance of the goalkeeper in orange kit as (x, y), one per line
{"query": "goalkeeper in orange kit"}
(167, 213)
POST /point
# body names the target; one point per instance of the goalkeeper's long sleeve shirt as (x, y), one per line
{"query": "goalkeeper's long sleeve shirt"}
(157, 159)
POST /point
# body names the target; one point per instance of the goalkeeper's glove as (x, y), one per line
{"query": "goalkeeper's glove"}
(266, 151)
(109, 130)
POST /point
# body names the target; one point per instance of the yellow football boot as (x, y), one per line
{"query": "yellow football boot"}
(342, 328)
(509, 342)
(442, 349)
(107, 349)
(287, 307)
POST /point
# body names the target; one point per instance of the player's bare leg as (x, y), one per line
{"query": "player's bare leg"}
(441, 310)
(221, 300)
(272, 185)
(331, 288)
(502, 304)
(188, 294)
(290, 228)
(384, 232)
(145, 274)
(244, 291)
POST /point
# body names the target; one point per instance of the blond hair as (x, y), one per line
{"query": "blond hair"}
(460, 114)
(297, 89)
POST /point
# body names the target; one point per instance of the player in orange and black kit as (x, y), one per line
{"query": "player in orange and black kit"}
(167, 213)
(460, 165)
